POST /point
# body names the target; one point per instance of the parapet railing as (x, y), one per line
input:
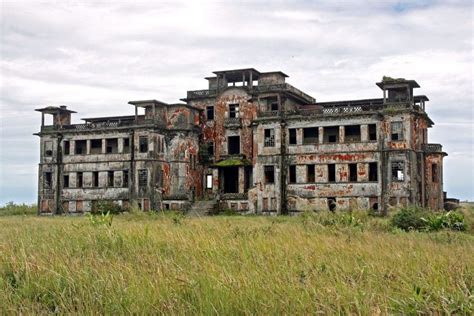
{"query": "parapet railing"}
(432, 148)
(102, 125)
(197, 94)
(234, 196)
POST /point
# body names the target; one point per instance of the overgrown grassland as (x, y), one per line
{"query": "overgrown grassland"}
(230, 265)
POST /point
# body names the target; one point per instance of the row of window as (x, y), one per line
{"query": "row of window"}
(111, 146)
(398, 173)
(234, 111)
(79, 183)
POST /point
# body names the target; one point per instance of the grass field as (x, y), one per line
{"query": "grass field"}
(166, 263)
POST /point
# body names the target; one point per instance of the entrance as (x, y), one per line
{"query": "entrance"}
(230, 179)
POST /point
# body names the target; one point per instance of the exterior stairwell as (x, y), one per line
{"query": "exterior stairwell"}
(202, 208)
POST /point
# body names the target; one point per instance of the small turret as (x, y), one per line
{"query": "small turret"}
(61, 115)
(399, 89)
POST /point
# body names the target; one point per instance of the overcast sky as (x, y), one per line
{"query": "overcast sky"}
(95, 56)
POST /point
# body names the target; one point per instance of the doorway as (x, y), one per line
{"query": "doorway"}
(230, 179)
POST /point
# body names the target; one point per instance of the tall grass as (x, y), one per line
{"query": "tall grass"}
(18, 209)
(231, 265)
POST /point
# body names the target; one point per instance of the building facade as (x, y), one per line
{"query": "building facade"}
(251, 142)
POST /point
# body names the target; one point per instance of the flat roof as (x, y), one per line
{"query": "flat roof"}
(110, 118)
(55, 109)
(146, 103)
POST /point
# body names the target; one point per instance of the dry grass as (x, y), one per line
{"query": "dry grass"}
(231, 265)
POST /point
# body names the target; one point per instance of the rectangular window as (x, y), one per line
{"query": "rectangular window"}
(66, 147)
(233, 145)
(331, 134)
(210, 150)
(126, 145)
(292, 136)
(125, 178)
(110, 179)
(96, 146)
(111, 146)
(351, 133)
(397, 130)
(352, 172)
(274, 106)
(48, 180)
(398, 171)
(331, 173)
(310, 173)
(234, 110)
(373, 171)
(66, 181)
(310, 135)
(209, 181)
(210, 113)
(434, 172)
(142, 178)
(269, 172)
(372, 132)
(95, 179)
(143, 144)
(269, 137)
(81, 147)
(292, 174)
(79, 182)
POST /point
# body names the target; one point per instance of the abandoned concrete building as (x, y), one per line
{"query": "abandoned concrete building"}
(251, 142)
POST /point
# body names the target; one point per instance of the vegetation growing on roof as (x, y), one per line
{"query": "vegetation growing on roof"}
(232, 163)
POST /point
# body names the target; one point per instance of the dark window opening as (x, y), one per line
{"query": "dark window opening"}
(66, 181)
(110, 179)
(125, 179)
(48, 178)
(81, 147)
(352, 133)
(95, 179)
(310, 173)
(210, 150)
(79, 180)
(332, 204)
(434, 172)
(96, 146)
(66, 146)
(372, 132)
(248, 178)
(111, 145)
(233, 145)
(274, 106)
(292, 174)
(331, 173)
(398, 171)
(142, 178)
(234, 110)
(143, 144)
(210, 113)
(310, 135)
(269, 138)
(126, 145)
(375, 206)
(373, 171)
(397, 130)
(292, 135)
(269, 172)
(353, 172)
(331, 134)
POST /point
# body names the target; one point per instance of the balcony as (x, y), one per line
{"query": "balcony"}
(234, 196)
(432, 148)
(232, 122)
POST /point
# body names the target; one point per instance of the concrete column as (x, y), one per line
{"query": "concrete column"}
(88, 147)
(42, 119)
(321, 135)
(251, 80)
(364, 133)
(241, 179)
(341, 134)
(299, 136)
(136, 113)
(104, 149)
(120, 145)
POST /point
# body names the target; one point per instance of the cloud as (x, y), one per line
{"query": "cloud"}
(96, 56)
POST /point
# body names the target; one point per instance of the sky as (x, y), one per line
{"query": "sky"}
(95, 56)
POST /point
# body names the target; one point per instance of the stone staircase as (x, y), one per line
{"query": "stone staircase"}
(202, 208)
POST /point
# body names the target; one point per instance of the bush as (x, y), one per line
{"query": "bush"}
(18, 209)
(104, 207)
(414, 218)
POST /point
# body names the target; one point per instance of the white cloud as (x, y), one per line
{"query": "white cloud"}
(96, 56)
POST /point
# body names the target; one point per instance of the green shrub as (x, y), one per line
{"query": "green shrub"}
(18, 209)
(415, 218)
(410, 218)
(104, 207)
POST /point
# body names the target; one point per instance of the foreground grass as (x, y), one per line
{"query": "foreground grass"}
(230, 265)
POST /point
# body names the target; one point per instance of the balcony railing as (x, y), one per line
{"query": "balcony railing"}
(232, 122)
(432, 148)
(326, 111)
(234, 196)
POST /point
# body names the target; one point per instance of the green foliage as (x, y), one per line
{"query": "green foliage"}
(104, 207)
(101, 219)
(228, 212)
(415, 218)
(18, 209)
